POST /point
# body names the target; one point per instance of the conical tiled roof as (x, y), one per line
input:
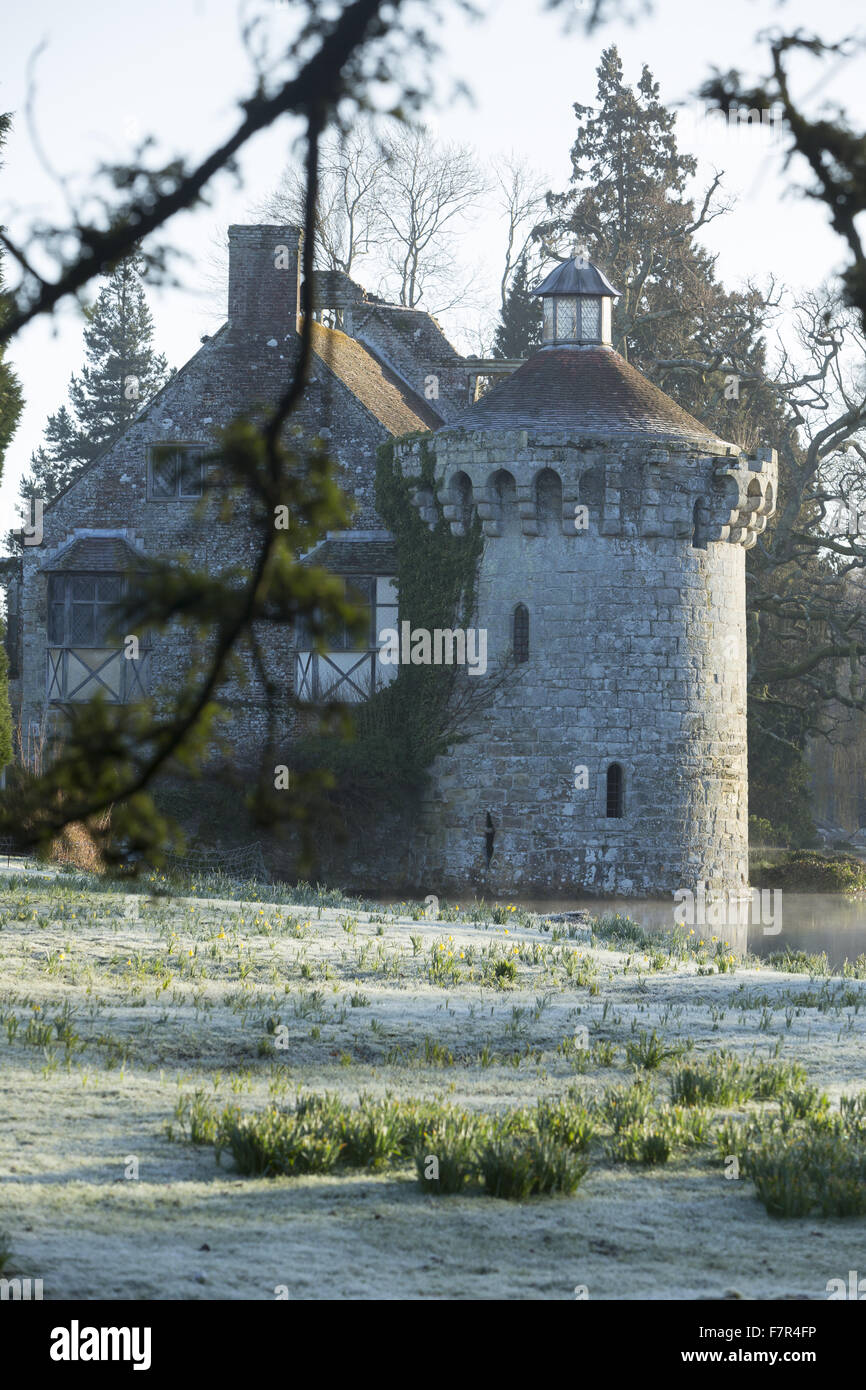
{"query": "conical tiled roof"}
(586, 390)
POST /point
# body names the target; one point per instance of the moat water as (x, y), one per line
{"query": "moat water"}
(811, 922)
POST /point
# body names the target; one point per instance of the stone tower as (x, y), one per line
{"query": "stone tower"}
(616, 526)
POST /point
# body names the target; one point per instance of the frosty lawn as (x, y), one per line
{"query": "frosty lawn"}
(130, 1026)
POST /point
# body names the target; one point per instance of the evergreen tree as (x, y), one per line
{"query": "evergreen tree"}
(10, 410)
(54, 464)
(121, 373)
(627, 208)
(519, 330)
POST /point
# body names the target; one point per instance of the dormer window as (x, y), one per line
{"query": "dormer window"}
(174, 472)
(576, 300)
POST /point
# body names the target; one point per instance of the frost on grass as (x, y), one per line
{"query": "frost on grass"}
(214, 1096)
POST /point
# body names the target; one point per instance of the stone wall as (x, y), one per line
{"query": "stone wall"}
(636, 656)
(243, 368)
(637, 651)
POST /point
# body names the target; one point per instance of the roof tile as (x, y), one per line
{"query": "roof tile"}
(97, 553)
(591, 391)
(394, 404)
(354, 557)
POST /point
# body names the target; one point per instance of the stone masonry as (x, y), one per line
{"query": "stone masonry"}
(613, 759)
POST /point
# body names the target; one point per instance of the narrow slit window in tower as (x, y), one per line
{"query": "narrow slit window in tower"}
(489, 837)
(699, 534)
(521, 633)
(614, 790)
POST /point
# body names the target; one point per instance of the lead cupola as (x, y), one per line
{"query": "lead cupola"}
(576, 300)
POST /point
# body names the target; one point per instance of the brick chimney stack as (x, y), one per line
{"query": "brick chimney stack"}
(264, 275)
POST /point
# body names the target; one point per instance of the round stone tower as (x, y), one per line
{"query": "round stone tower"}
(613, 579)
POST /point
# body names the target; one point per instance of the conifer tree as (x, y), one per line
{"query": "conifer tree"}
(519, 330)
(628, 208)
(54, 464)
(121, 373)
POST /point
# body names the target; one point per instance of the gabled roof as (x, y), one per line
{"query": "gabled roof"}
(398, 408)
(97, 553)
(590, 391)
(416, 325)
(142, 414)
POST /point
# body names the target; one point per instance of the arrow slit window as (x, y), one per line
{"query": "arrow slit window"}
(614, 791)
(520, 641)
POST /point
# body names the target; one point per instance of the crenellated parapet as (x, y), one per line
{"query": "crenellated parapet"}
(539, 482)
(743, 498)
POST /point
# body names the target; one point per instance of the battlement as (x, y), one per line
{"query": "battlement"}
(622, 488)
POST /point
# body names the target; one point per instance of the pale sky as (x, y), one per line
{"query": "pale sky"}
(111, 71)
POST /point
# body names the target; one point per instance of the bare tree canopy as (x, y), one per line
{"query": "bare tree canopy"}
(427, 187)
(349, 208)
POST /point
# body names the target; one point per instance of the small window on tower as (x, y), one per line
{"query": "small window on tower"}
(566, 316)
(614, 791)
(521, 633)
(590, 319)
(547, 332)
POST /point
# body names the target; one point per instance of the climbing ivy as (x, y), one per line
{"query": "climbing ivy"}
(399, 731)
(437, 572)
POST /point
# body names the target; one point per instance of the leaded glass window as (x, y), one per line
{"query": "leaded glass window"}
(566, 316)
(82, 608)
(349, 667)
(175, 472)
(590, 318)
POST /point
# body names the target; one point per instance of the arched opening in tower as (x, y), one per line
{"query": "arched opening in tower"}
(504, 490)
(462, 497)
(548, 502)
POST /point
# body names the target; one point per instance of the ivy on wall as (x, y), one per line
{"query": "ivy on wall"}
(399, 731)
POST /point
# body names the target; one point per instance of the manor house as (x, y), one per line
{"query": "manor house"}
(611, 584)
